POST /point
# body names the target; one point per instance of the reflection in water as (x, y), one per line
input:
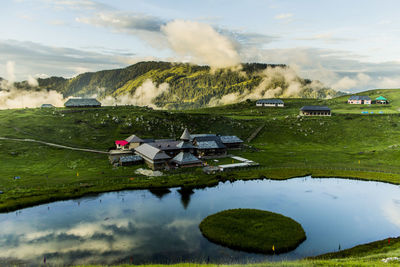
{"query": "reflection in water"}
(185, 196)
(158, 227)
(160, 192)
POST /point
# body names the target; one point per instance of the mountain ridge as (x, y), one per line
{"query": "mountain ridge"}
(183, 85)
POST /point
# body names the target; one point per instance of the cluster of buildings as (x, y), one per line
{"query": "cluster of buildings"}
(304, 111)
(188, 151)
(366, 100)
(78, 103)
(323, 110)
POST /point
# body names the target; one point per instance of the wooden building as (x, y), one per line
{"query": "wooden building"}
(207, 146)
(82, 103)
(270, 103)
(169, 147)
(186, 159)
(115, 155)
(155, 158)
(359, 100)
(315, 111)
(134, 141)
(231, 141)
(130, 160)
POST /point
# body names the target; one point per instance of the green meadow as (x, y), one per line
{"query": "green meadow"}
(348, 144)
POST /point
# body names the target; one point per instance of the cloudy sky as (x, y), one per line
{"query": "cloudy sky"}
(348, 45)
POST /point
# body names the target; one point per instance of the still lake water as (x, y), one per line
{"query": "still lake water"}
(140, 226)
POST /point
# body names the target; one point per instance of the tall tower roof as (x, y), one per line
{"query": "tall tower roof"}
(186, 135)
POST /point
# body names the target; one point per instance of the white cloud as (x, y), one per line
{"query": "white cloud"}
(144, 95)
(10, 65)
(201, 43)
(284, 16)
(32, 81)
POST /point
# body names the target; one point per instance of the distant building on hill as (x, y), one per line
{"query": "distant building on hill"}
(315, 111)
(82, 103)
(381, 100)
(270, 103)
(359, 100)
(47, 106)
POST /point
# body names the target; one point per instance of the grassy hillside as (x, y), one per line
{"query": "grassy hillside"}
(348, 144)
(189, 86)
(344, 145)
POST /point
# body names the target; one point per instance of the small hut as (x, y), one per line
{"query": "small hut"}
(47, 106)
(122, 144)
(381, 100)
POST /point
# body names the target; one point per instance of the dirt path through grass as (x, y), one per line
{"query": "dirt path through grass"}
(54, 145)
(255, 133)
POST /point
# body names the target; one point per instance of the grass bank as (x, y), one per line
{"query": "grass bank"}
(378, 253)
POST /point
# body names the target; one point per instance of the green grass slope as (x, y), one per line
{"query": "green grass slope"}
(344, 145)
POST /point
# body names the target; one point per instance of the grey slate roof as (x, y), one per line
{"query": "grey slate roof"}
(186, 135)
(134, 139)
(230, 139)
(192, 136)
(207, 145)
(47, 106)
(82, 102)
(269, 101)
(315, 108)
(184, 144)
(359, 97)
(186, 158)
(151, 152)
(130, 158)
(166, 146)
(213, 138)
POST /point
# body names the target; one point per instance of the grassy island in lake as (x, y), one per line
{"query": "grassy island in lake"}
(253, 230)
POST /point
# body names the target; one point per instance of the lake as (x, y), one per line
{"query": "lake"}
(161, 226)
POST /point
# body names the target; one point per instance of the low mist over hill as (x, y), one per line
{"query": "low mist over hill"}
(169, 85)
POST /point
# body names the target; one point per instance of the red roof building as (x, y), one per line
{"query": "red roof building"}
(121, 144)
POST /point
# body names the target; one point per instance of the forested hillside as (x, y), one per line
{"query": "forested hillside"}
(179, 85)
